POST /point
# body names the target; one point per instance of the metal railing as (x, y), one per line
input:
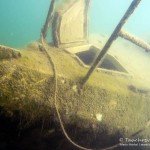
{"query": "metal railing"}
(118, 32)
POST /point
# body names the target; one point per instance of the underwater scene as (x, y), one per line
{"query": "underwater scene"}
(74, 75)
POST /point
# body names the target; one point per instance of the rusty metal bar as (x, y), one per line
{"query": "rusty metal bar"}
(48, 19)
(135, 40)
(114, 35)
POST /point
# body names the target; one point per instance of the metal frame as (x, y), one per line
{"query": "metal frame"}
(55, 18)
(117, 32)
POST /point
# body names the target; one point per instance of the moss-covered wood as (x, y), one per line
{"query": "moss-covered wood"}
(8, 53)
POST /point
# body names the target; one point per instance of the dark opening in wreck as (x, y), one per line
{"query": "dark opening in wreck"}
(109, 61)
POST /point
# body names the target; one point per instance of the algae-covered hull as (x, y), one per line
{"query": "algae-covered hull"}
(111, 105)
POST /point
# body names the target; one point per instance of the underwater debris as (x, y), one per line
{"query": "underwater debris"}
(138, 90)
(111, 39)
(99, 117)
(29, 88)
(135, 40)
(8, 53)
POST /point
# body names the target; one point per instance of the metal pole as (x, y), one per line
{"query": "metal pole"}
(114, 35)
(134, 40)
(48, 19)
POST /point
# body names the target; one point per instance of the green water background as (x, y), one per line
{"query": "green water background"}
(21, 20)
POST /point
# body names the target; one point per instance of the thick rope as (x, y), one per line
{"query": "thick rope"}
(57, 109)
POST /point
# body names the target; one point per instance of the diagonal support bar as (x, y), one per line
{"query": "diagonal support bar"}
(48, 19)
(114, 35)
(137, 41)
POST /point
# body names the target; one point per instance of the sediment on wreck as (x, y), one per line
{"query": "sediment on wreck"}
(26, 90)
(8, 53)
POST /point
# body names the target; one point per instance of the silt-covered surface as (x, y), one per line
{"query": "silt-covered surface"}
(27, 87)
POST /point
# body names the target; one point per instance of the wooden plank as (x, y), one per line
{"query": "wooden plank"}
(60, 28)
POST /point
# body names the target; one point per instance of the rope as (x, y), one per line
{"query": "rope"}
(57, 109)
